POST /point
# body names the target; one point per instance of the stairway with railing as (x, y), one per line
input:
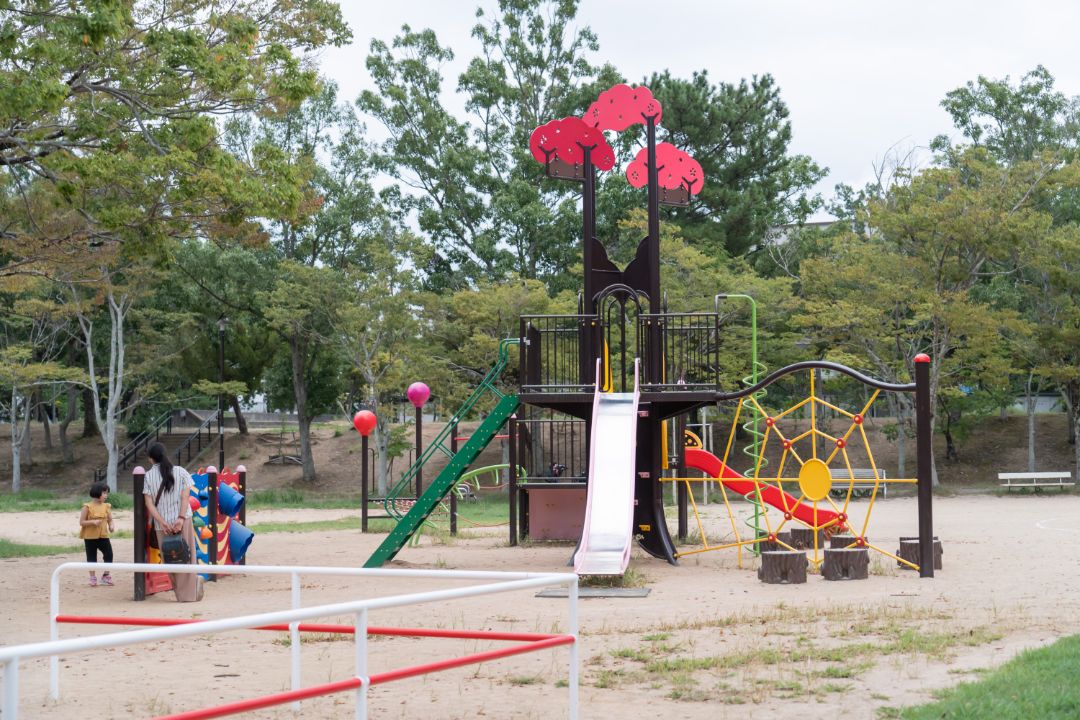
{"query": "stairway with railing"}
(411, 512)
(182, 448)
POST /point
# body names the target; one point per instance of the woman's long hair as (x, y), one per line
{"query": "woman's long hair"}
(158, 455)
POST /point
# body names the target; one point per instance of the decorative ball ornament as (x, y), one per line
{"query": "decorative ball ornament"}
(857, 419)
(841, 443)
(418, 394)
(364, 422)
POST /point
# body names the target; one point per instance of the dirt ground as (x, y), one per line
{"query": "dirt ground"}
(997, 445)
(709, 640)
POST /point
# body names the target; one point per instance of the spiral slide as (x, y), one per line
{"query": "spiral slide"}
(712, 466)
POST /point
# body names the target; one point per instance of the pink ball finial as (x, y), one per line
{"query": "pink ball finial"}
(211, 470)
(364, 422)
(241, 468)
(418, 394)
(139, 470)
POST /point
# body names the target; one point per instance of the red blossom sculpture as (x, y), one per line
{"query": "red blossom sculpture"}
(622, 106)
(677, 169)
(565, 139)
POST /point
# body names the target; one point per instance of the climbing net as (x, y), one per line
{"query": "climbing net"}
(808, 500)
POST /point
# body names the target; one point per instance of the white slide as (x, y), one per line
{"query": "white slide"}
(609, 510)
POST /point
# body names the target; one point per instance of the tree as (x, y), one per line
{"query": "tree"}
(112, 105)
(740, 134)
(471, 184)
(33, 331)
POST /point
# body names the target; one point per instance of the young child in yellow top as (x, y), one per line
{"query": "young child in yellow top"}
(96, 521)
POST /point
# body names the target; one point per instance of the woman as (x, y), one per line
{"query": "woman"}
(165, 492)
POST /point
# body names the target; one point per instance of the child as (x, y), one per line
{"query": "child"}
(97, 522)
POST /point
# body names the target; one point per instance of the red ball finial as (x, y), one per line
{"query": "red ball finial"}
(364, 422)
(922, 358)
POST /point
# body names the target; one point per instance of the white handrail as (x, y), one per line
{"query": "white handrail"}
(508, 581)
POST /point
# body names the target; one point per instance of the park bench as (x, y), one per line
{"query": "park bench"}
(1035, 480)
(863, 481)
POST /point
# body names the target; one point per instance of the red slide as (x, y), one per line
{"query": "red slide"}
(711, 465)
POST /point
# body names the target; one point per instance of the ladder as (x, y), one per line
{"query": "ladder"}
(410, 521)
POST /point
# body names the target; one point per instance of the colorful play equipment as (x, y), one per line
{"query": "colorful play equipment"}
(623, 365)
(221, 538)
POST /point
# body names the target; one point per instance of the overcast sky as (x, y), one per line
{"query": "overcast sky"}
(859, 76)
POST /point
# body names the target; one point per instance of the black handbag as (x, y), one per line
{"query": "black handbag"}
(174, 548)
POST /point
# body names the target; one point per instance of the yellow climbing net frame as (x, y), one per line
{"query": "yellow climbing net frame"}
(812, 485)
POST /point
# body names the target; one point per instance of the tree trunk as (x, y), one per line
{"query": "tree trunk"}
(90, 428)
(299, 373)
(16, 442)
(382, 449)
(1076, 447)
(66, 452)
(1029, 407)
(241, 421)
(26, 444)
(44, 413)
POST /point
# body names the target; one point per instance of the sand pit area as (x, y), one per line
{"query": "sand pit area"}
(709, 640)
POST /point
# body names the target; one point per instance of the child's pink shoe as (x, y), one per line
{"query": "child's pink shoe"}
(93, 582)
(106, 579)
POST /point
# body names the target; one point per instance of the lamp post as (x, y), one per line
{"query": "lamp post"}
(221, 395)
(418, 394)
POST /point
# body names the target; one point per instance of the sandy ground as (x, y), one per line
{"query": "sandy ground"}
(1009, 582)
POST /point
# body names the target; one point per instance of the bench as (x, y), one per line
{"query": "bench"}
(1035, 480)
(861, 481)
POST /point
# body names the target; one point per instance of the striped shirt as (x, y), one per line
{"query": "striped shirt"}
(169, 504)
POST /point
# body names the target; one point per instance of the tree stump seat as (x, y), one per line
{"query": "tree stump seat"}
(802, 538)
(783, 567)
(909, 550)
(843, 563)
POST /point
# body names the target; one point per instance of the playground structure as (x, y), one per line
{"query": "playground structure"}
(221, 537)
(623, 366)
(291, 621)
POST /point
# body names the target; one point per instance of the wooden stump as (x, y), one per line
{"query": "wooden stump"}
(842, 541)
(846, 564)
(909, 550)
(769, 546)
(782, 567)
(803, 538)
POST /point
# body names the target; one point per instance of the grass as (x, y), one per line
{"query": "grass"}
(1036, 684)
(34, 500)
(632, 578)
(349, 523)
(9, 549)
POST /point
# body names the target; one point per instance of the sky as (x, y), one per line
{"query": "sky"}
(860, 77)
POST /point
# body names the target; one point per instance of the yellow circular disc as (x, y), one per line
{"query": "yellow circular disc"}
(814, 479)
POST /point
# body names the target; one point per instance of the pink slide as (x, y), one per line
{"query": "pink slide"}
(711, 465)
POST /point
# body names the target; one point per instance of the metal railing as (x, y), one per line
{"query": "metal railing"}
(554, 449)
(196, 437)
(127, 454)
(290, 619)
(690, 350)
(553, 350)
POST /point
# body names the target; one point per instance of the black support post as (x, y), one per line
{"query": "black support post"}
(512, 431)
(138, 507)
(923, 434)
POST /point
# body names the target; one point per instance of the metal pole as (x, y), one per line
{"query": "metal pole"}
(241, 471)
(453, 493)
(221, 395)
(212, 518)
(360, 634)
(11, 688)
(138, 508)
(923, 438)
(512, 480)
(419, 451)
(294, 639)
(363, 484)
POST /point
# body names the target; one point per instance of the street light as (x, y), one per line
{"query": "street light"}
(222, 321)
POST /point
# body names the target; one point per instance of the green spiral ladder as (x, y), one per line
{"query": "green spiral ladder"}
(412, 520)
(751, 450)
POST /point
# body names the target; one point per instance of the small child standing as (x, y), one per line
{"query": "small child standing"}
(96, 521)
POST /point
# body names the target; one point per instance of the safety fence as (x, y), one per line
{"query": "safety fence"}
(292, 621)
